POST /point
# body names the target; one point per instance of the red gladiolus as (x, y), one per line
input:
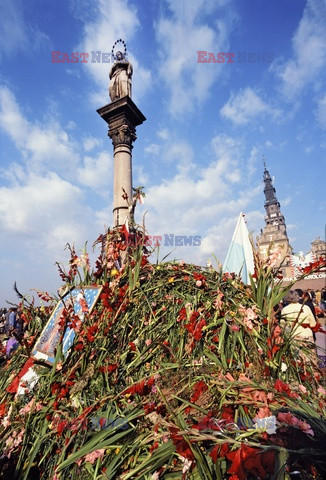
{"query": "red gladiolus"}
(181, 446)
(251, 460)
(207, 423)
(13, 387)
(182, 315)
(2, 409)
(91, 331)
(79, 346)
(227, 414)
(141, 388)
(109, 368)
(62, 426)
(200, 387)
(55, 387)
(219, 451)
(149, 407)
(153, 447)
(199, 277)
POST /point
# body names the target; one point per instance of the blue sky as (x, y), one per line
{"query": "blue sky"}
(198, 155)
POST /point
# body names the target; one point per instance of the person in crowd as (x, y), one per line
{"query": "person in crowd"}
(318, 298)
(300, 293)
(321, 341)
(298, 317)
(312, 294)
(19, 323)
(323, 299)
(307, 300)
(7, 315)
(12, 319)
(2, 320)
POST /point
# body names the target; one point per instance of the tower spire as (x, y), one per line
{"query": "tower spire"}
(274, 231)
(269, 190)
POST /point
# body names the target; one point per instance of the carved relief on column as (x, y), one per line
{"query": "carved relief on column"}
(124, 134)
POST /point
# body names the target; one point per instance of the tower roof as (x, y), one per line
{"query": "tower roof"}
(269, 190)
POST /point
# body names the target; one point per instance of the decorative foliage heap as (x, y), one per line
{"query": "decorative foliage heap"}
(166, 379)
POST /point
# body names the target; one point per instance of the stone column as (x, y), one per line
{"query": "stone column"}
(122, 117)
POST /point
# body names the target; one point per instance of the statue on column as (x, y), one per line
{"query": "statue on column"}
(120, 75)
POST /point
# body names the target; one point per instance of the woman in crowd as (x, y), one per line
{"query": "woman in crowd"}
(298, 316)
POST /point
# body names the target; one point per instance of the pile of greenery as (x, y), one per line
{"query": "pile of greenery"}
(170, 376)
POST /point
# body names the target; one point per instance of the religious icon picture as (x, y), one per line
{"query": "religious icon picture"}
(83, 300)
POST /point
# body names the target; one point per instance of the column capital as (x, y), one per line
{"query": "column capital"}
(122, 117)
(122, 135)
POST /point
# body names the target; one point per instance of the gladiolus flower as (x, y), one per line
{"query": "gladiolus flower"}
(235, 328)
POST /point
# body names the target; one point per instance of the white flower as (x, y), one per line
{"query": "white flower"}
(283, 367)
(186, 464)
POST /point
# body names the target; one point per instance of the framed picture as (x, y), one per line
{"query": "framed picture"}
(83, 299)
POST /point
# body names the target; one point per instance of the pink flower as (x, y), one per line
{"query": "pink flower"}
(27, 407)
(306, 428)
(321, 390)
(263, 412)
(218, 304)
(251, 314)
(199, 283)
(302, 389)
(148, 342)
(235, 328)
(290, 419)
(84, 261)
(91, 457)
(248, 323)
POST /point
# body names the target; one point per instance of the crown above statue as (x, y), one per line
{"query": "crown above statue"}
(117, 54)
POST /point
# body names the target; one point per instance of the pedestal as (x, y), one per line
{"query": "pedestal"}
(122, 117)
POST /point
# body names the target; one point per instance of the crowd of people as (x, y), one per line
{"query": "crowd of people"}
(11, 327)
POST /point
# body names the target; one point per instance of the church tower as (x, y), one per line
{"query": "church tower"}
(274, 232)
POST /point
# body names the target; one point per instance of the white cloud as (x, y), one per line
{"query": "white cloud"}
(245, 106)
(16, 34)
(91, 142)
(12, 27)
(40, 146)
(254, 154)
(321, 111)
(163, 133)
(286, 201)
(50, 193)
(180, 34)
(309, 51)
(97, 173)
(152, 149)
(201, 201)
(291, 226)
